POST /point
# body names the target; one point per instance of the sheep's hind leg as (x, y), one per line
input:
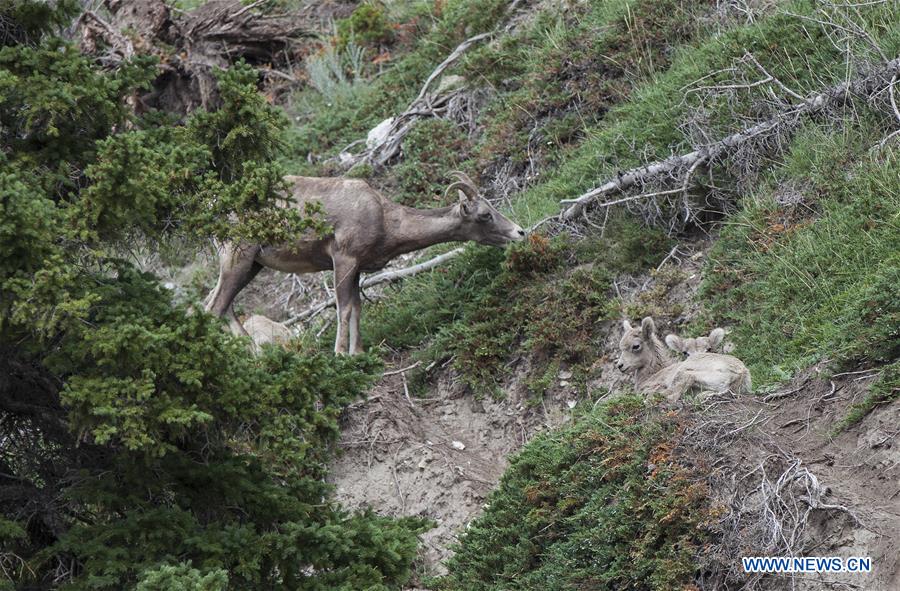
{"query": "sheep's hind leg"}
(346, 286)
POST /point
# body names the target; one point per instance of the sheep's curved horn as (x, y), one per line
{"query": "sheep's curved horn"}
(465, 188)
(461, 176)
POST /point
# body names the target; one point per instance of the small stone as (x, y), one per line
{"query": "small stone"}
(448, 83)
(379, 134)
(458, 445)
(571, 403)
(563, 383)
(565, 375)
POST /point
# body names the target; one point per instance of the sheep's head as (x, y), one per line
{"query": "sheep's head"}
(697, 345)
(481, 221)
(637, 347)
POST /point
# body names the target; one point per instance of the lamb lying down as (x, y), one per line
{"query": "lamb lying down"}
(708, 344)
(656, 370)
(264, 331)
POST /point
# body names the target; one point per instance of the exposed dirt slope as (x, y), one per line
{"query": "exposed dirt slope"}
(792, 488)
(436, 457)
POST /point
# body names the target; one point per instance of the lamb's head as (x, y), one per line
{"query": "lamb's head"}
(638, 347)
(697, 345)
(481, 221)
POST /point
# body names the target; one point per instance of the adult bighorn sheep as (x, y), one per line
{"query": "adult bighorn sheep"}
(368, 231)
(655, 370)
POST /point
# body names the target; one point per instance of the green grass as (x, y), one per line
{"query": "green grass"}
(819, 279)
(602, 504)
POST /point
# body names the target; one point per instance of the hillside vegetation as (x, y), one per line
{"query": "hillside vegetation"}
(804, 267)
(144, 448)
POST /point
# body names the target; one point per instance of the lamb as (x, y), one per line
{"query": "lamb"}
(708, 344)
(655, 370)
(264, 330)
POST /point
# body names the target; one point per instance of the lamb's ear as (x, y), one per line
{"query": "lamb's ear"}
(675, 342)
(715, 338)
(626, 325)
(648, 327)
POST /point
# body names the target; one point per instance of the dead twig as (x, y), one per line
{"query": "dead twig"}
(402, 370)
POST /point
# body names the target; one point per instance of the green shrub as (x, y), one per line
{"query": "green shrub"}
(602, 504)
(182, 578)
(367, 25)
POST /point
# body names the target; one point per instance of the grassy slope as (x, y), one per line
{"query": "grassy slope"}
(602, 85)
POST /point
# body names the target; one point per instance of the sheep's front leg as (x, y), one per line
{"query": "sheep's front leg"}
(681, 382)
(355, 310)
(346, 287)
(237, 268)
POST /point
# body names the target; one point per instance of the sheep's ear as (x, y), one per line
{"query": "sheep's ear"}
(626, 325)
(675, 342)
(465, 204)
(648, 327)
(716, 337)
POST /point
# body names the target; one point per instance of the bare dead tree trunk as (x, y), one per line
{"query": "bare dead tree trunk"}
(684, 165)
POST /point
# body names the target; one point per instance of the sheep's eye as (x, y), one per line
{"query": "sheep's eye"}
(485, 217)
(636, 347)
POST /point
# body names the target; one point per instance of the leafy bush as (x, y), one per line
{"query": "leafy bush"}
(337, 74)
(605, 503)
(367, 25)
(142, 444)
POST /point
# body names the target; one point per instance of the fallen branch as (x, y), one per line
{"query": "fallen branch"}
(383, 277)
(401, 370)
(451, 59)
(866, 86)
(426, 104)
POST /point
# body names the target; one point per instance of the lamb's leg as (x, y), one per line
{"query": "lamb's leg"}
(346, 287)
(237, 268)
(681, 382)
